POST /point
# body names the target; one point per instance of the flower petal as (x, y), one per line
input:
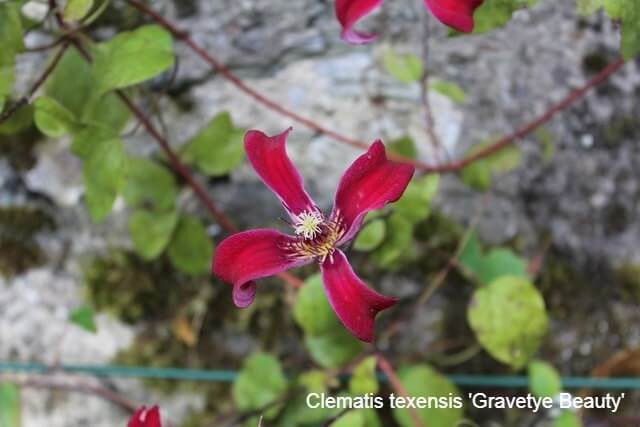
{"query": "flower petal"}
(244, 257)
(355, 304)
(370, 183)
(457, 14)
(349, 12)
(269, 158)
(144, 417)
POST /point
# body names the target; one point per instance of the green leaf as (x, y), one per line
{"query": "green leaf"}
(498, 262)
(83, 317)
(149, 185)
(398, 240)
(450, 90)
(78, 94)
(422, 380)
(217, 149)
(52, 119)
(371, 235)
(191, 248)
(353, 418)
(478, 174)
(567, 419)
(509, 319)
(75, 10)
(10, 406)
(327, 340)
(496, 13)
(151, 231)
(415, 203)
(363, 380)
(297, 413)
(19, 121)
(132, 57)
(405, 68)
(544, 380)
(11, 34)
(404, 147)
(104, 169)
(260, 382)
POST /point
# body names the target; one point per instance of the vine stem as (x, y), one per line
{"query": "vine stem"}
(180, 168)
(386, 367)
(313, 125)
(34, 88)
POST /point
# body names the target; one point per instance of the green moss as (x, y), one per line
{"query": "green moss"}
(628, 277)
(19, 249)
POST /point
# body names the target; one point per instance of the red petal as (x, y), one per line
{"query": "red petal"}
(370, 183)
(457, 14)
(269, 158)
(144, 417)
(355, 304)
(349, 12)
(244, 257)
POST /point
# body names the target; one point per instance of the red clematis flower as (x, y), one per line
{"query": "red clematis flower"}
(369, 183)
(457, 14)
(144, 417)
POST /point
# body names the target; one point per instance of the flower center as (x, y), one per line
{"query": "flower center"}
(319, 237)
(308, 224)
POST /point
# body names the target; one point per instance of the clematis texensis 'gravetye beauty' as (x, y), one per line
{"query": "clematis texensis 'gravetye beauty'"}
(371, 182)
(457, 14)
(144, 417)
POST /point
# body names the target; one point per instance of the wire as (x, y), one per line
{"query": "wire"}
(510, 381)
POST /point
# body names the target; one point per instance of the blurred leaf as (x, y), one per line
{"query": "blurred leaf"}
(328, 342)
(132, 57)
(478, 174)
(548, 149)
(405, 68)
(422, 380)
(625, 11)
(296, 412)
(20, 120)
(105, 167)
(12, 44)
(52, 119)
(509, 319)
(544, 380)
(398, 239)
(450, 90)
(183, 330)
(404, 147)
(363, 379)
(149, 184)
(217, 149)
(84, 317)
(10, 406)
(371, 235)
(260, 382)
(151, 231)
(77, 94)
(75, 10)
(415, 204)
(567, 419)
(353, 418)
(498, 262)
(191, 248)
(496, 13)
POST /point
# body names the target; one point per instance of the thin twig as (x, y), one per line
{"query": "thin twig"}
(385, 366)
(423, 167)
(48, 382)
(34, 88)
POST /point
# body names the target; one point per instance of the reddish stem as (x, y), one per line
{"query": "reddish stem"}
(385, 366)
(426, 168)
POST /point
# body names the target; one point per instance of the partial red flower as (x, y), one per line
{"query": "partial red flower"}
(370, 183)
(457, 14)
(146, 417)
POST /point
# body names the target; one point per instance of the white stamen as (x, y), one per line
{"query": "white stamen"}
(308, 224)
